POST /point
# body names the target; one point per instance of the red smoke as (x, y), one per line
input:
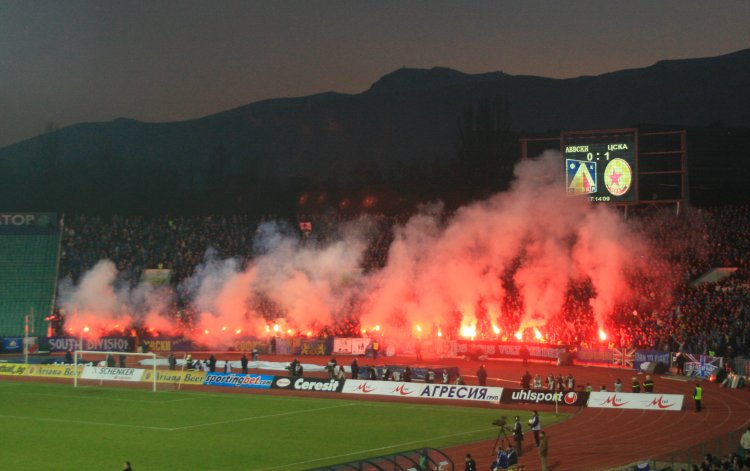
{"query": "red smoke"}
(446, 275)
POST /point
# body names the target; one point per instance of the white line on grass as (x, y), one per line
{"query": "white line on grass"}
(82, 422)
(103, 398)
(246, 419)
(372, 450)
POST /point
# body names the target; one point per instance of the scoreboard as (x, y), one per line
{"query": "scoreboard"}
(603, 171)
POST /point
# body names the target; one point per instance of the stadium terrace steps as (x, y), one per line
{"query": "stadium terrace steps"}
(28, 272)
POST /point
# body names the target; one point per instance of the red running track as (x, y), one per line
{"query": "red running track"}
(600, 439)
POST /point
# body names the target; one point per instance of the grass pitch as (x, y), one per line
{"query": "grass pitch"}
(56, 427)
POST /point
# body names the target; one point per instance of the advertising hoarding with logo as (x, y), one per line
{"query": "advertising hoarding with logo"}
(541, 396)
(642, 401)
(308, 384)
(238, 380)
(419, 390)
(112, 374)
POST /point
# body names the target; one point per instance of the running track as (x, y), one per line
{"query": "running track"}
(599, 439)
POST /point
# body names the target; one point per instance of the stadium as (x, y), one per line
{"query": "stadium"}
(377, 236)
(366, 340)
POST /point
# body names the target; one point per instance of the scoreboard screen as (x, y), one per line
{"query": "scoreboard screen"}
(602, 171)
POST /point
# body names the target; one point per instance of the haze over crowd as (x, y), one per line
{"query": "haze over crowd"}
(443, 271)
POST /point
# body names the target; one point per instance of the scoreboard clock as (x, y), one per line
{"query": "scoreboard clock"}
(602, 171)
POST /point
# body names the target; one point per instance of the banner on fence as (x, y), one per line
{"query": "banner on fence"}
(477, 348)
(169, 344)
(600, 355)
(238, 380)
(175, 377)
(28, 223)
(429, 391)
(53, 371)
(313, 347)
(12, 344)
(105, 373)
(702, 366)
(350, 346)
(650, 356)
(308, 384)
(102, 344)
(541, 396)
(642, 401)
(624, 357)
(13, 369)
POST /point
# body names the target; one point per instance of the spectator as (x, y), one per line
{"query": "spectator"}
(536, 426)
(648, 384)
(543, 450)
(745, 444)
(470, 464)
(482, 375)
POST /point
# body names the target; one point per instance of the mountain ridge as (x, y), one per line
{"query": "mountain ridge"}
(407, 118)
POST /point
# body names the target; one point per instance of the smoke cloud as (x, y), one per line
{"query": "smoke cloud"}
(461, 272)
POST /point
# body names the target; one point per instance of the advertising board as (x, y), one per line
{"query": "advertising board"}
(542, 396)
(234, 380)
(175, 377)
(308, 384)
(640, 401)
(418, 390)
(106, 373)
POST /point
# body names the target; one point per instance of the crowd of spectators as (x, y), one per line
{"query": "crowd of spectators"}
(135, 243)
(697, 318)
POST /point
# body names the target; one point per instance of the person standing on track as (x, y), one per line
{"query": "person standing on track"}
(523, 352)
(243, 363)
(648, 385)
(680, 362)
(482, 376)
(536, 426)
(636, 385)
(518, 435)
(470, 464)
(543, 449)
(698, 396)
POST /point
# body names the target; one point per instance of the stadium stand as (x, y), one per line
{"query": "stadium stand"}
(28, 277)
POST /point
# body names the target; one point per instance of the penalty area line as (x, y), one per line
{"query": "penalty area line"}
(382, 448)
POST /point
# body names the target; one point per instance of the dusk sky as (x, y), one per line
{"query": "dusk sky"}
(70, 61)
